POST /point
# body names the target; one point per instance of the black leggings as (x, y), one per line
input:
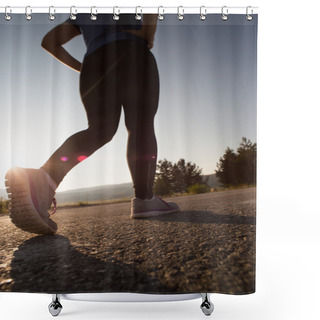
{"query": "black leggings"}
(119, 74)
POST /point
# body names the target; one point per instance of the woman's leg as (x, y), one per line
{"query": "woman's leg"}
(98, 90)
(140, 92)
(140, 88)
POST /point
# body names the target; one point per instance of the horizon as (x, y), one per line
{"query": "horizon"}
(97, 186)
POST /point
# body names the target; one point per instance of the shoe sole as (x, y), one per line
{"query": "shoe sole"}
(150, 214)
(22, 211)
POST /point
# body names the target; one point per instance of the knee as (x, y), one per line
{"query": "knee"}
(102, 134)
(140, 127)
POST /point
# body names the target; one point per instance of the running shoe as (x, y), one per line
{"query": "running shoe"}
(151, 208)
(31, 194)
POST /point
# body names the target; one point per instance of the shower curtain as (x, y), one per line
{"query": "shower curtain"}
(128, 152)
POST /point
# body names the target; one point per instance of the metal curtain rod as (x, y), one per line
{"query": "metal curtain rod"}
(133, 10)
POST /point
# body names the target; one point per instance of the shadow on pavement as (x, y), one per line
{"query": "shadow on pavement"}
(205, 217)
(50, 264)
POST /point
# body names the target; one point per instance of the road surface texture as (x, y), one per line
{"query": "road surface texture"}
(207, 247)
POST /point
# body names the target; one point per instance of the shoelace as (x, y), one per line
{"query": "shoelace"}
(54, 209)
(167, 204)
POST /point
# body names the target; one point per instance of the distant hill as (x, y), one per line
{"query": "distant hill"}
(107, 192)
(101, 193)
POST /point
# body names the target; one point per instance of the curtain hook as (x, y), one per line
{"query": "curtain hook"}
(180, 13)
(138, 15)
(93, 16)
(116, 13)
(52, 11)
(203, 13)
(160, 14)
(6, 14)
(73, 13)
(249, 16)
(28, 13)
(224, 13)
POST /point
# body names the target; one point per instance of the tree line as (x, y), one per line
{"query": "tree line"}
(178, 177)
(235, 168)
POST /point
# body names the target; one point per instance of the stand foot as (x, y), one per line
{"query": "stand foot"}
(206, 305)
(55, 306)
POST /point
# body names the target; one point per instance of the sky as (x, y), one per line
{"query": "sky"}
(207, 96)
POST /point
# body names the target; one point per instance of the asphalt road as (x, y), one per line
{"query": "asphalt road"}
(207, 247)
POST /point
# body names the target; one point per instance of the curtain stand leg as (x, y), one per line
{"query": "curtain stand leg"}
(55, 306)
(206, 305)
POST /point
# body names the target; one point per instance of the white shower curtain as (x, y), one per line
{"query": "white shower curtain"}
(128, 153)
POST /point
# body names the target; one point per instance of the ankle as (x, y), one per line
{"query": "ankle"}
(51, 182)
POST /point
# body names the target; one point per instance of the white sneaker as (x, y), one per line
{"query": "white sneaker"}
(151, 208)
(31, 194)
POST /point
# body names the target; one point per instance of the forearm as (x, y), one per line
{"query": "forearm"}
(54, 40)
(63, 56)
